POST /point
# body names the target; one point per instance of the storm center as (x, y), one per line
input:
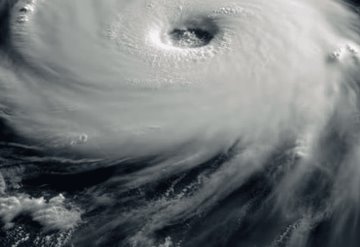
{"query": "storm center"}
(194, 33)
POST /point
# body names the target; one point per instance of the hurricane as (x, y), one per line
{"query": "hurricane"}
(155, 123)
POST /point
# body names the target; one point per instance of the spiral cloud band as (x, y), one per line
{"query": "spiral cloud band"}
(217, 120)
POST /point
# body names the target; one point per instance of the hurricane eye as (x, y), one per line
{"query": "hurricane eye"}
(194, 33)
(191, 37)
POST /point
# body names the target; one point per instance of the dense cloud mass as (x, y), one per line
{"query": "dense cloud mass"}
(179, 123)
